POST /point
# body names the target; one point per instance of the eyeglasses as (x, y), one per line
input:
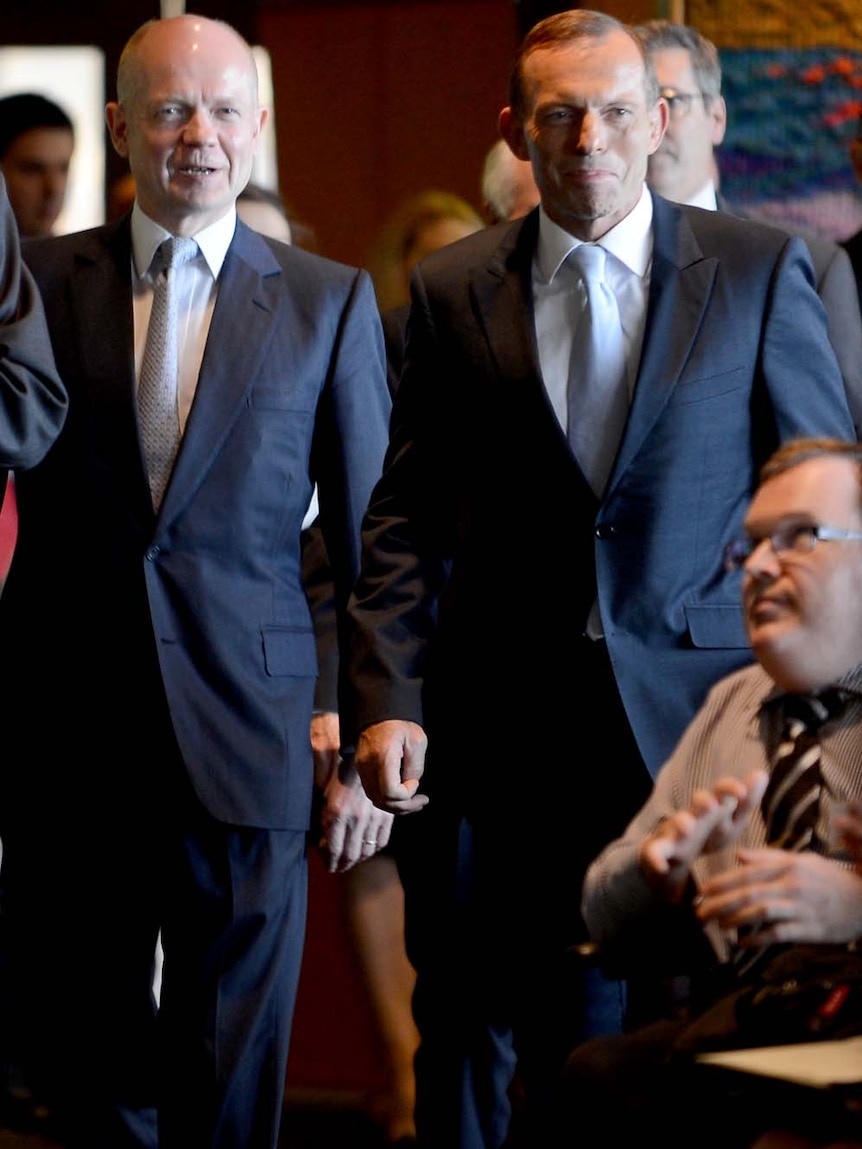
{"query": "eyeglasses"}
(791, 538)
(679, 103)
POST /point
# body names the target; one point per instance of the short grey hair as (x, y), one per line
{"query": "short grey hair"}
(659, 35)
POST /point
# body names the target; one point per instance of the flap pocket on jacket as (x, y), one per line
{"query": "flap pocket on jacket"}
(716, 626)
(290, 651)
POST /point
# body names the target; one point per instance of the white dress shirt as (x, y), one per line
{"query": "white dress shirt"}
(557, 301)
(197, 284)
(707, 198)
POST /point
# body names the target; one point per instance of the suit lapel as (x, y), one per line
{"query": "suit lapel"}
(237, 344)
(504, 302)
(101, 303)
(681, 282)
(103, 272)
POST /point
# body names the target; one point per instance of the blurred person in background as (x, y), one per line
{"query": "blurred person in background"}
(508, 187)
(684, 169)
(37, 140)
(417, 227)
(421, 224)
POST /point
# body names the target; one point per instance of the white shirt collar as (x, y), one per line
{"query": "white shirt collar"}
(630, 240)
(707, 197)
(213, 240)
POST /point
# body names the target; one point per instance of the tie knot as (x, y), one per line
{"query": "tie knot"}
(814, 710)
(174, 252)
(589, 259)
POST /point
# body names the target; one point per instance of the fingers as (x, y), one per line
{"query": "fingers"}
(358, 831)
(778, 896)
(390, 758)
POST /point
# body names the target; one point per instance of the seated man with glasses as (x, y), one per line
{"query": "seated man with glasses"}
(751, 842)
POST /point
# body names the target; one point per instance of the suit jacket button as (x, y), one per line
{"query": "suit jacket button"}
(605, 531)
(152, 552)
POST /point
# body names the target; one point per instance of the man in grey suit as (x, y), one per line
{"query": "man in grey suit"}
(168, 787)
(544, 635)
(684, 169)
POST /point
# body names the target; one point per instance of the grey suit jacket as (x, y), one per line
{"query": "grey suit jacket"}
(836, 285)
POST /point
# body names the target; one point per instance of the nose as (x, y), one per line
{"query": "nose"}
(198, 128)
(762, 564)
(55, 186)
(590, 133)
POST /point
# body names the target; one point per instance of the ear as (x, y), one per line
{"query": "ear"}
(118, 127)
(658, 118)
(718, 120)
(512, 131)
(262, 117)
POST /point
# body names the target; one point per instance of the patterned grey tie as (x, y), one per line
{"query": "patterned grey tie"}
(597, 398)
(157, 387)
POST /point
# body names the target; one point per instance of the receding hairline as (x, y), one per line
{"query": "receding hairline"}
(129, 69)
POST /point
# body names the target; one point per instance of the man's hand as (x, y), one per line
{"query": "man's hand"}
(390, 758)
(325, 746)
(781, 896)
(352, 826)
(714, 820)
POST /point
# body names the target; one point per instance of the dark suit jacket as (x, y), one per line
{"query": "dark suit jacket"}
(291, 392)
(479, 475)
(316, 572)
(32, 399)
(835, 281)
(394, 322)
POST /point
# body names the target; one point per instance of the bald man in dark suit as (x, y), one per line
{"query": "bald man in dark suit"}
(169, 789)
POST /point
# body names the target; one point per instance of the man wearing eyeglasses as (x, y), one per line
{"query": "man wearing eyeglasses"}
(694, 864)
(684, 169)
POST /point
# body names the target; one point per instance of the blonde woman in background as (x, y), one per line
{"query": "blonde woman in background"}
(420, 225)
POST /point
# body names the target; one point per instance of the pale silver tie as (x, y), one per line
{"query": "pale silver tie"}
(597, 397)
(157, 387)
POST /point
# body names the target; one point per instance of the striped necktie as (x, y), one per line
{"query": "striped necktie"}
(791, 804)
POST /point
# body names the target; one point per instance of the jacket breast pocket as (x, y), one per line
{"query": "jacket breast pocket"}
(710, 386)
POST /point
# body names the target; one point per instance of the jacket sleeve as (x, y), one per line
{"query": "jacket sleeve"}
(33, 401)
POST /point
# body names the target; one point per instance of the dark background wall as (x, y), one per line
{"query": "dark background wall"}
(374, 99)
